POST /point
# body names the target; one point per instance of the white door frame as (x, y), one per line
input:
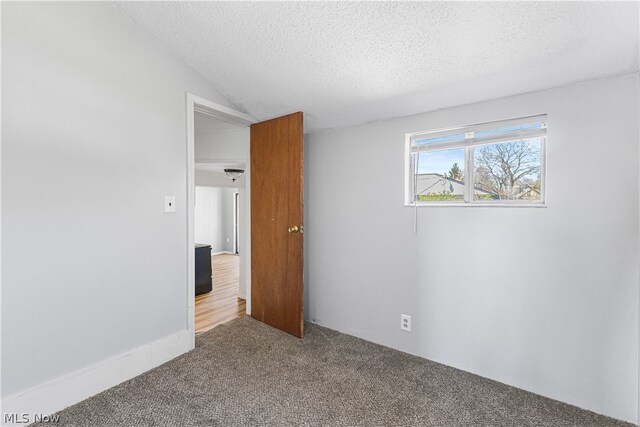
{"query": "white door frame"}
(204, 106)
(236, 219)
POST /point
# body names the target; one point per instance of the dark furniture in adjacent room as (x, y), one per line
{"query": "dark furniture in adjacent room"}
(203, 269)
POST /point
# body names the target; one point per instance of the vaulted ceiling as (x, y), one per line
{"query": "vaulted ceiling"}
(346, 63)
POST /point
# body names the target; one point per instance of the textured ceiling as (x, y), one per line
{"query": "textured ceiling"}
(345, 63)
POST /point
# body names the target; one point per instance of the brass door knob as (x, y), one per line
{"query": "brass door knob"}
(294, 229)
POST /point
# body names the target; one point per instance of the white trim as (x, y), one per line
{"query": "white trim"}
(191, 200)
(236, 217)
(57, 394)
(213, 109)
(408, 176)
(516, 204)
(246, 251)
(202, 105)
(468, 174)
(543, 170)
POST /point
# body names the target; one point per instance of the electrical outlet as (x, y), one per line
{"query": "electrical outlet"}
(405, 322)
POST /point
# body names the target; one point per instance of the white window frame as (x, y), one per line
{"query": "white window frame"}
(468, 145)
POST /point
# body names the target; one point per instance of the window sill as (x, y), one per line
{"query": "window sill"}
(476, 205)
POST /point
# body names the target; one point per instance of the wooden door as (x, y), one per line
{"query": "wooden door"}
(276, 223)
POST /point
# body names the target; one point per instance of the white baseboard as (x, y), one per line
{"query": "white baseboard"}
(243, 296)
(57, 394)
(222, 253)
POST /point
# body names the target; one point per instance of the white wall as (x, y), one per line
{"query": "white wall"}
(213, 223)
(546, 299)
(244, 239)
(93, 138)
(222, 145)
(220, 180)
(207, 217)
(227, 218)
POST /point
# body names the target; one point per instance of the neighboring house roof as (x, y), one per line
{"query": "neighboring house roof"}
(440, 183)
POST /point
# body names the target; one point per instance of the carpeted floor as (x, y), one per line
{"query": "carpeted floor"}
(246, 373)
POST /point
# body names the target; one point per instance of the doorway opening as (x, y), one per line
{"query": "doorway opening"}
(218, 215)
(273, 277)
(217, 263)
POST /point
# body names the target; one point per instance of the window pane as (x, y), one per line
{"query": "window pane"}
(507, 171)
(440, 176)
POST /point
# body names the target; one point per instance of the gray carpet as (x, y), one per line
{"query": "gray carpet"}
(246, 373)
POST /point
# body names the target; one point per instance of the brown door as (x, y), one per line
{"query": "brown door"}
(276, 223)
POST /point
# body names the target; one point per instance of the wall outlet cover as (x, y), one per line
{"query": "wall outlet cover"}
(170, 204)
(405, 322)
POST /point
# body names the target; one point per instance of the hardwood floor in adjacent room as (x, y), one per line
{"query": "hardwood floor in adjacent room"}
(222, 303)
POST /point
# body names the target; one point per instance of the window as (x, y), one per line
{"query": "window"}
(496, 163)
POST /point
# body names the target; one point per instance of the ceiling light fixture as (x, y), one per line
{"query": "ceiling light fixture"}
(234, 173)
